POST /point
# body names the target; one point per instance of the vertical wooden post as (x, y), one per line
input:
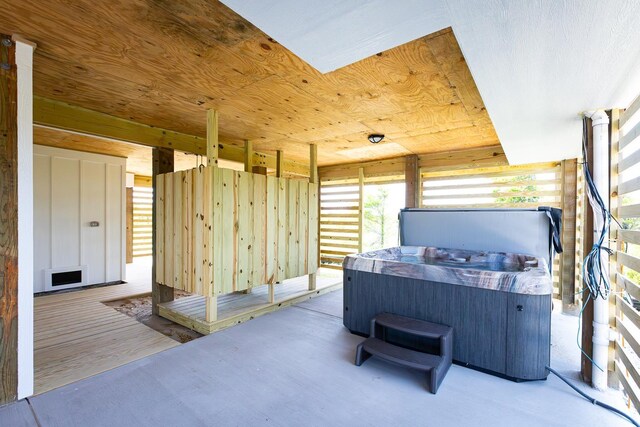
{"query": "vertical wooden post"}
(360, 207)
(248, 155)
(313, 178)
(412, 182)
(129, 217)
(279, 170)
(615, 242)
(162, 163)
(211, 301)
(279, 160)
(212, 138)
(587, 312)
(8, 222)
(567, 272)
(248, 167)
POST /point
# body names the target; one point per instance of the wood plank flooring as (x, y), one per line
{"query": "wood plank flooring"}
(76, 336)
(237, 308)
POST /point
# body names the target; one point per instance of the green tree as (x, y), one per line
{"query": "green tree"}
(375, 221)
(521, 185)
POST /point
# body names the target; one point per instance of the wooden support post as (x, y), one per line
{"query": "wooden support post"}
(212, 138)
(412, 182)
(248, 167)
(211, 308)
(279, 167)
(567, 279)
(211, 301)
(587, 312)
(360, 207)
(313, 178)
(615, 242)
(129, 218)
(8, 222)
(279, 170)
(248, 155)
(162, 163)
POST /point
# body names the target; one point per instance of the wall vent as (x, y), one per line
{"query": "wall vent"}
(64, 278)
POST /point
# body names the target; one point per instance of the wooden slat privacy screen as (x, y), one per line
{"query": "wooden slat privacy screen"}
(142, 207)
(524, 186)
(220, 230)
(340, 221)
(625, 268)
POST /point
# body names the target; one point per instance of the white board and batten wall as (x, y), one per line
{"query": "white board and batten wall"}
(79, 218)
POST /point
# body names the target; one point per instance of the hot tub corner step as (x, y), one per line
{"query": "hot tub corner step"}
(420, 328)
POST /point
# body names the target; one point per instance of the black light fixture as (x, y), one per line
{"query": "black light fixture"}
(374, 138)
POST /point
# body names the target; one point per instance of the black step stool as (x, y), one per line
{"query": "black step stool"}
(434, 365)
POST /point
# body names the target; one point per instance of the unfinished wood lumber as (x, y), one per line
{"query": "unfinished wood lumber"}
(162, 254)
(223, 231)
(8, 222)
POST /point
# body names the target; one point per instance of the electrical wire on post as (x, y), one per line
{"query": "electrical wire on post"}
(592, 400)
(594, 278)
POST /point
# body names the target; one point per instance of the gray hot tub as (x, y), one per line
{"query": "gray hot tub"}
(499, 304)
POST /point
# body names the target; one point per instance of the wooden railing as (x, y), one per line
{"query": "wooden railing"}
(625, 263)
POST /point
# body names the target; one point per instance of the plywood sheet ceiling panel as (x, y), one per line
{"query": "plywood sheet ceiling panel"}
(164, 63)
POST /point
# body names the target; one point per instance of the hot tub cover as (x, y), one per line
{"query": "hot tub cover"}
(522, 274)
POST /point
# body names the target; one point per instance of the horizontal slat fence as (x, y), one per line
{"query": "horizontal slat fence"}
(625, 268)
(524, 186)
(340, 220)
(142, 212)
(220, 230)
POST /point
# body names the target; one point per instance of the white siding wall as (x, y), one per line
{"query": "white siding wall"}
(71, 189)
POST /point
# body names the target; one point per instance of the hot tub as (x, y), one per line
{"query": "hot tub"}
(499, 304)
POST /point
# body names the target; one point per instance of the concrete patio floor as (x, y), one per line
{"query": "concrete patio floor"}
(295, 367)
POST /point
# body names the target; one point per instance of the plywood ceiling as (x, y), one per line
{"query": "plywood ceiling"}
(163, 63)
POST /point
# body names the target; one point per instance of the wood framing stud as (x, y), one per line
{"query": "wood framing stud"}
(212, 137)
(568, 257)
(360, 207)
(587, 312)
(211, 308)
(313, 178)
(412, 182)
(162, 163)
(279, 166)
(8, 222)
(248, 155)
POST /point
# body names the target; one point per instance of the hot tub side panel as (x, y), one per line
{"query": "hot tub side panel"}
(478, 316)
(528, 336)
(491, 332)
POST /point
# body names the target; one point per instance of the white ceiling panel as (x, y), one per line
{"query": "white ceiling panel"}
(537, 64)
(329, 34)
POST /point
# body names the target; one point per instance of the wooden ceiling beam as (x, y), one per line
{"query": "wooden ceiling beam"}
(69, 118)
(60, 115)
(442, 161)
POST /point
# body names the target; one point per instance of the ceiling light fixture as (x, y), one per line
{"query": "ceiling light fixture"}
(374, 138)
